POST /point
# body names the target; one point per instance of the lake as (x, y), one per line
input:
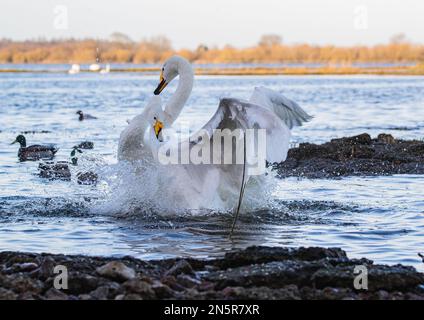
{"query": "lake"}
(380, 218)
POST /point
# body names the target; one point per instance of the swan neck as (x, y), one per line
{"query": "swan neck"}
(182, 93)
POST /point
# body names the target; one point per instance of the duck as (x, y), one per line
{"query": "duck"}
(59, 170)
(87, 178)
(86, 145)
(85, 116)
(55, 171)
(34, 152)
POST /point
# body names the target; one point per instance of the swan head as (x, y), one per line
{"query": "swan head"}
(170, 70)
(157, 127)
(154, 116)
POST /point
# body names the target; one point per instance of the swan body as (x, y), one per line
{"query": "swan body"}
(75, 68)
(199, 184)
(95, 67)
(105, 70)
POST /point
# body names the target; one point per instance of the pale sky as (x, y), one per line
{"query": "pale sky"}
(240, 23)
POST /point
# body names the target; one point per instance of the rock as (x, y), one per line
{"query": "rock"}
(142, 288)
(161, 290)
(364, 138)
(252, 273)
(181, 266)
(186, 281)
(25, 267)
(54, 294)
(386, 138)
(80, 283)
(354, 156)
(117, 271)
(272, 274)
(258, 254)
(7, 294)
(101, 293)
(262, 293)
(27, 296)
(46, 268)
(172, 283)
(21, 283)
(132, 296)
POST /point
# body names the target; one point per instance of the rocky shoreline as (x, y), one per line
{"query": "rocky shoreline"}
(253, 273)
(354, 156)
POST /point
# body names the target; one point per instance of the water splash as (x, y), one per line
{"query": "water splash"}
(143, 187)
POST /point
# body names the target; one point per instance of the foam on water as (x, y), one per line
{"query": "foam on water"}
(165, 189)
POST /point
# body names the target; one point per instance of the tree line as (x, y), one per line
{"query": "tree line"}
(270, 49)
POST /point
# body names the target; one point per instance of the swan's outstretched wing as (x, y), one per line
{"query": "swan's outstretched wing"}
(205, 181)
(236, 114)
(287, 110)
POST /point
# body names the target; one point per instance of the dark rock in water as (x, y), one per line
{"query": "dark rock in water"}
(86, 145)
(253, 273)
(354, 156)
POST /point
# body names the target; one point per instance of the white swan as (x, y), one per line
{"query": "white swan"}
(105, 70)
(202, 184)
(75, 68)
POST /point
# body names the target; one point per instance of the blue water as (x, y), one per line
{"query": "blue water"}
(381, 218)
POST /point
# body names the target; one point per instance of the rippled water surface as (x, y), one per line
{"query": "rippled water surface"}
(380, 218)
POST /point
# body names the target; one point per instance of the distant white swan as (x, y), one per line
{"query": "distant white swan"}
(75, 68)
(95, 67)
(198, 183)
(106, 69)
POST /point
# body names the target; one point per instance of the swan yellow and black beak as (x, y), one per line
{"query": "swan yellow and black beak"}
(157, 126)
(162, 84)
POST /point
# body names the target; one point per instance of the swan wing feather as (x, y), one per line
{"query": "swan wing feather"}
(287, 110)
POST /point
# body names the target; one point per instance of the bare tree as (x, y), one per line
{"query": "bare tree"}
(269, 40)
(120, 37)
(399, 39)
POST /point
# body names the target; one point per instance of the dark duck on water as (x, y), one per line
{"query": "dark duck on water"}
(34, 152)
(59, 170)
(84, 116)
